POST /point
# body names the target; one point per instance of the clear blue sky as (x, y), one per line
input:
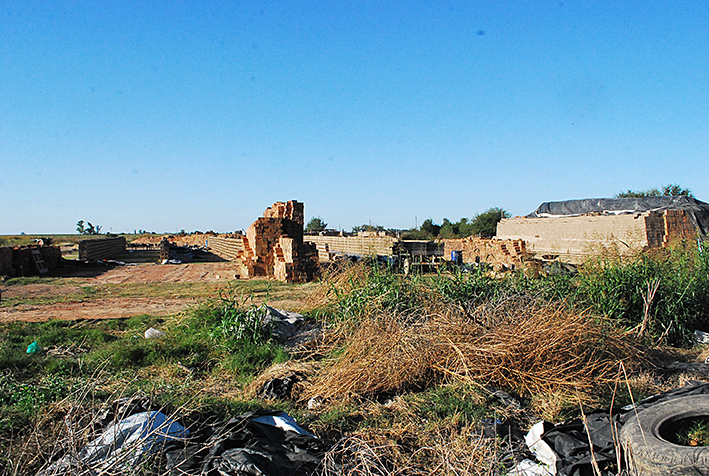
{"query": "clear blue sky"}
(199, 115)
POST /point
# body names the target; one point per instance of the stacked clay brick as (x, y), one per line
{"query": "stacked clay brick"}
(670, 225)
(678, 226)
(18, 260)
(508, 253)
(273, 246)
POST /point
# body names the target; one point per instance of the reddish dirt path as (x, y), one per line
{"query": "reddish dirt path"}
(108, 308)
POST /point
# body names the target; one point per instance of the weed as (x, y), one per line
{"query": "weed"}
(676, 279)
(464, 403)
(695, 435)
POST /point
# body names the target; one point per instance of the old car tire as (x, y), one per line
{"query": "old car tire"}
(649, 453)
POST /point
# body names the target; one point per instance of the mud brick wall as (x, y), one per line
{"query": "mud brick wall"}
(575, 238)
(509, 253)
(18, 261)
(353, 245)
(103, 248)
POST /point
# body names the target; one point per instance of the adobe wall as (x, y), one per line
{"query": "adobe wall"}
(574, 238)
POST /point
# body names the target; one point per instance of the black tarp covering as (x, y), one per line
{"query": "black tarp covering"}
(697, 211)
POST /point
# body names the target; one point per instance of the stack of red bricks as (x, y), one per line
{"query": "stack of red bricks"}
(654, 229)
(667, 226)
(506, 253)
(678, 226)
(273, 246)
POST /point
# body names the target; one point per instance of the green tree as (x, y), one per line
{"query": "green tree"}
(429, 228)
(89, 229)
(315, 225)
(450, 230)
(485, 223)
(671, 190)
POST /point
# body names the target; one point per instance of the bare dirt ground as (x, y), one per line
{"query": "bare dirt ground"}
(125, 291)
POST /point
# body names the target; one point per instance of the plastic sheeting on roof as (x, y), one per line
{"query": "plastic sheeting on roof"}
(697, 211)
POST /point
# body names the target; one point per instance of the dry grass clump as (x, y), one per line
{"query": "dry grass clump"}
(517, 343)
(340, 278)
(449, 449)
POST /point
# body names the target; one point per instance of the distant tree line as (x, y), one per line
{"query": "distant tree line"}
(483, 225)
(671, 190)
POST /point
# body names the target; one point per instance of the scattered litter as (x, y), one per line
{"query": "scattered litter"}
(314, 403)
(153, 333)
(121, 446)
(564, 448)
(172, 261)
(255, 443)
(280, 388)
(283, 421)
(290, 328)
(701, 337)
(33, 348)
(115, 261)
(541, 450)
(527, 467)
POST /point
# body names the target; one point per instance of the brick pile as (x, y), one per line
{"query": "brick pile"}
(228, 247)
(654, 229)
(6, 268)
(274, 247)
(361, 245)
(678, 226)
(17, 261)
(102, 248)
(504, 253)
